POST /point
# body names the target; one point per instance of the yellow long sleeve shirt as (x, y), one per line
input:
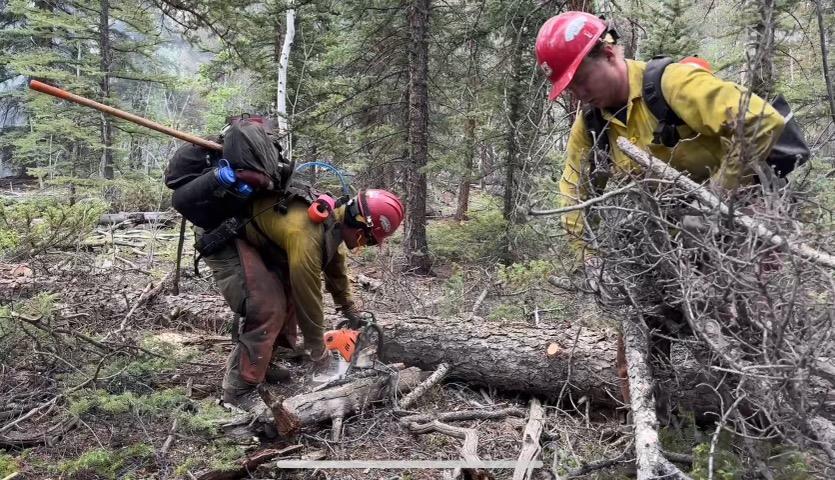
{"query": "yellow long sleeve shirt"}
(704, 102)
(302, 242)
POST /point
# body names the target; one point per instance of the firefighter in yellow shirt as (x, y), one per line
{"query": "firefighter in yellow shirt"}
(271, 277)
(577, 52)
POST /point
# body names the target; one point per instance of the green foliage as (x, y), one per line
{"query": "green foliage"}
(125, 372)
(143, 194)
(506, 312)
(156, 404)
(480, 238)
(107, 463)
(526, 273)
(31, 226)
(16, 338)
(789, 465)
(726, 464)
(8, 465)
(206, 419)
(673, 31)
(453, 293)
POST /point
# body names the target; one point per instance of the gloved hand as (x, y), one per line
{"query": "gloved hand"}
(352, 313)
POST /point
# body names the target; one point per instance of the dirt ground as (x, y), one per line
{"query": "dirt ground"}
(104, 377)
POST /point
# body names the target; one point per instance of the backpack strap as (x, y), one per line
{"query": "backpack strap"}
(666, 133)
(599, 160)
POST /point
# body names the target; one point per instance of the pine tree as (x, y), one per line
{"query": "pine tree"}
(671, 30)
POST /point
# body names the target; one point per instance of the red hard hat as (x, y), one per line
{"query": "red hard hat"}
(382, 211)
(562, 44)
(697, 62)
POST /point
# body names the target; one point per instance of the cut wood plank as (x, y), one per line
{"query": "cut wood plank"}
(530, 441)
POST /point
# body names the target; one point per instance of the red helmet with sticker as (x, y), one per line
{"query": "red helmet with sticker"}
(382, 212)
(562, 44)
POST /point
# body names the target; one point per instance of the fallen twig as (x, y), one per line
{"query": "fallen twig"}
(434, 379)
(170, 439)
(464, 415)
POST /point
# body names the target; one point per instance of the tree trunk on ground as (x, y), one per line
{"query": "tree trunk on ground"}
(513, 357)
(416, 247)
(105, 51)
(507, 356)
(339, 401)
(136, 218)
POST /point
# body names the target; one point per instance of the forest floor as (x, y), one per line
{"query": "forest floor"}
(105, 373)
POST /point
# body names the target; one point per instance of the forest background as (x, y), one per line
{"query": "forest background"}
(440, 102)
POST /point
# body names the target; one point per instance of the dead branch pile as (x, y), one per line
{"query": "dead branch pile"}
(749, 277)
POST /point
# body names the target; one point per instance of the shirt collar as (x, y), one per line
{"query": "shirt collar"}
(635, 75)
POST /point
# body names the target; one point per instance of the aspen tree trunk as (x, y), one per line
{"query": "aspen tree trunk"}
(281, 89)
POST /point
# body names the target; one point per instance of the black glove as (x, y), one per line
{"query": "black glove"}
(353, 315)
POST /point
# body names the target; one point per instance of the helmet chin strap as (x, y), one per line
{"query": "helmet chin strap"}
(356, 207)
(369, 223)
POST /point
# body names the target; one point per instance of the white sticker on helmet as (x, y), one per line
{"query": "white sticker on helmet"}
(385, 223)
(574, 28)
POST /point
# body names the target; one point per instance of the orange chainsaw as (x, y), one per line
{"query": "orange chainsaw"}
(358, 342)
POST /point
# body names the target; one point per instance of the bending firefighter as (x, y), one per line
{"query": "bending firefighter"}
(679, 112)
(286, 238)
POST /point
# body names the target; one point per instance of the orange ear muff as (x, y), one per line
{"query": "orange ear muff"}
(317, 212)
(321, 208)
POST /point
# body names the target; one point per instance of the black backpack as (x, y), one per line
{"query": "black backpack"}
(190, 172)
(788, 152)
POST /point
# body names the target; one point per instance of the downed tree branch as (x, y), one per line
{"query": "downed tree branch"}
(530, 442)
(248, 464)
(667, 172)
(434, 379)
(463, 415)
(650, 461)
(469, 449)
(49, 437)
(587, 468)
(170, 439)
(136, 218)
(316, 407)
(149, 293)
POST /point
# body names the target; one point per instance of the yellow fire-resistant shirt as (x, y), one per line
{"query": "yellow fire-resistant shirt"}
(705, 103)
(302, 242)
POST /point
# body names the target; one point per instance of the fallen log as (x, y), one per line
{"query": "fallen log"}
(509, 356)
(137, 218)
(293, 413)
(554, 360)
